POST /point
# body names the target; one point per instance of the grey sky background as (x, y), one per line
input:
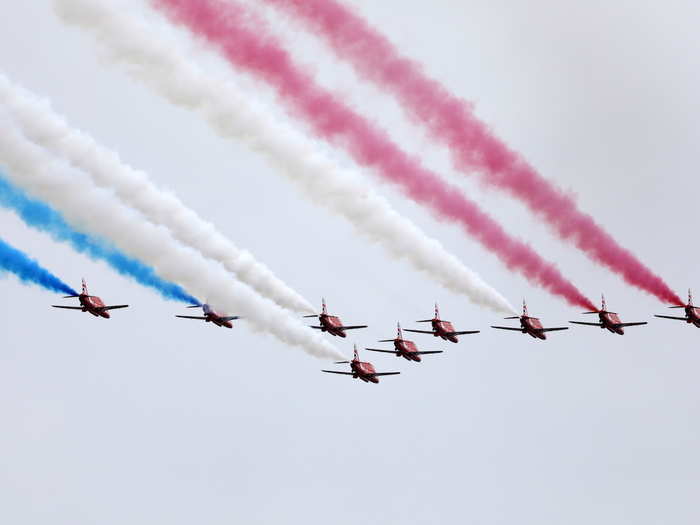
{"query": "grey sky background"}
(150, 419)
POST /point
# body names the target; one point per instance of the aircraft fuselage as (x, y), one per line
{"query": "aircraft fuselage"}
(533, 327)
(94, 305)
(407, 350)
(332, 324)
(364, 371)
(693, 315)
(212, 317)
(608, 320)
(443, 330)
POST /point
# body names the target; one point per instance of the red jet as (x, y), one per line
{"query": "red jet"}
(692, 313)
(530, 325)
(210, 316)
(332, 323)
(608, 320)
(443, 329)
(403, 347)
(91, 303)
(361, 370)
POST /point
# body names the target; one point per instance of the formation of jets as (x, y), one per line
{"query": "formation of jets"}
(529, 325)
(403, 348)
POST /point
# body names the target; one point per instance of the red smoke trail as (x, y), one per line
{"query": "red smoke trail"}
(223, 24)
(473, 146)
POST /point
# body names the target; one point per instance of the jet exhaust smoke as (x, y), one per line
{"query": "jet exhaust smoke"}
(223, 25)
(42, 125)
(42, 217)
(472, 144)
(159, 62)
(28, 271)
(98, 211)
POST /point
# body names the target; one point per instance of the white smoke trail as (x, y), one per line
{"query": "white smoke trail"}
(43, 126)
(156, 57)
(96, 210)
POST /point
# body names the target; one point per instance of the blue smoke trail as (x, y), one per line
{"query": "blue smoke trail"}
(44, 218)
(29, 271)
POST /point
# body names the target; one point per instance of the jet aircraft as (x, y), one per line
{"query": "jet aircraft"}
(361, 370)
(442, 329)
(608, 320)
(530, 325)
(332, 323)
(90, 303)
(403, 347)
(692, 313)
(210, 316)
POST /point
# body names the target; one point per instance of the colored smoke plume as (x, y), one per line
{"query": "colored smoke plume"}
(472, 144)
(223, 24)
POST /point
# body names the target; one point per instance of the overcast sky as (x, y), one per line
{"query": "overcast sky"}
(146, 419)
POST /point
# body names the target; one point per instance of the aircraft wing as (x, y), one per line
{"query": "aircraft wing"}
(508, 328)
(466, 332)
(383, 351)
(231, 318)
(377, 374)
(337, 372)
(418, 331)
(429, 352)
(353, 327)
(114, 307)
(191, 317)
(553, 329)
(68, 307)
(670, 317)
(316, 327)
(621, 325)
(587, 324)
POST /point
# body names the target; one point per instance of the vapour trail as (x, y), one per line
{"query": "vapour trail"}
(42, 217)
(159, 59)
(473, 146)
(43, 126)
(98, 211)
(29, 271)
(223, 25)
